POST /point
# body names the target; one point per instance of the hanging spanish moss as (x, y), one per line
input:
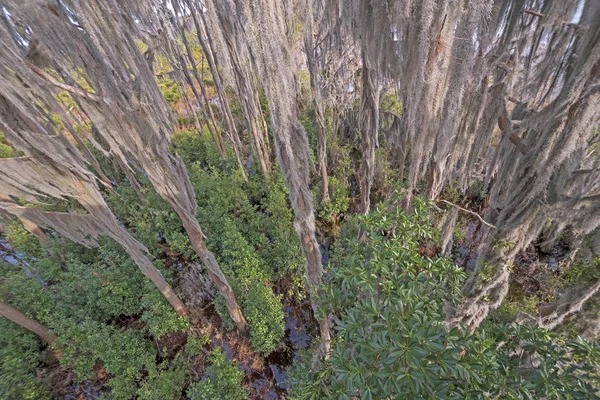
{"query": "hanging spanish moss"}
(120, 98)
(484, 112)
(545, 181)
(52, 166)
(264, 27)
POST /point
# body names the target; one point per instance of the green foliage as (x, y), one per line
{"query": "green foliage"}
(170, 90)
(391, 341)
(261, 308)
(152, 219)
(194, 346)
(5, 150)
(75, 291)
(224, 381)
(510, 309)
(165, 382)
(248, 228)
(339, 201)
(582, 272)
(391, 103)
(459, 231)
(124, 353)
(19, 355)
(22, 240)
(307, 119)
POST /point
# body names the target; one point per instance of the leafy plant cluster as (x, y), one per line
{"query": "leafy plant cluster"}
(223, 381)
(339, 201)
(105, 315)
(19, 356)
(391, 340)
(5, 150)
(248, 228)
(98, 304)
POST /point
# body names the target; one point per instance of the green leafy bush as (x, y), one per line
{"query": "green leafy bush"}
(260, 306)
(82, 294)
(223, 381)
(170, 91)
(165, 382)
(339, 201)
(5, 150)
(391, 340)
(19, 355)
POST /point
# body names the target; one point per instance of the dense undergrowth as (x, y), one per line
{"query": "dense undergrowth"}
(386, 289)
(391, 340)
(108, 316)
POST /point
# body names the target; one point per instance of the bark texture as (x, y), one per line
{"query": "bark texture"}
(31, 325)
(264, 26)
(95, 43)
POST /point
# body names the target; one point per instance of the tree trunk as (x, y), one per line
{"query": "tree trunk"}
(94, 204)
(433, 180)
(34, 229)
(130, 177)
(447, 230)
(89, 155)
(553, 315)
(246, 96)
(156, 277)
(262, 127)
(368, 125)
(192, 112)
(318, 106)
(29, 225)
(214, 270)
(258, 145)
(304, 224)
(314, 272)
(202, 102)
(212, 65)
(27, 323)
(488, 285)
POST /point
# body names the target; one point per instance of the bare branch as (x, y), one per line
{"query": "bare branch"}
(58, 84)
(483, 221)
(534, 13)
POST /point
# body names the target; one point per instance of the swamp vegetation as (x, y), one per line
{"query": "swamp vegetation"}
(275, 199)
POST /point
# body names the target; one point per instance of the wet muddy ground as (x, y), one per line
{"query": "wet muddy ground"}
(265, 377)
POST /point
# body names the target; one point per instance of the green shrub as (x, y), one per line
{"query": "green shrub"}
(124, 353)
(339, 201)
(261, 307)
(5, 150)
(391, 341)
(19, 356)
(170, 91)
(77, 292)
(165, 382)
(391, 103)
(223, 381)
(307, 119)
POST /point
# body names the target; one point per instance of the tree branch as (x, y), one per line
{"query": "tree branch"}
(540, 15)
(71, 89)
(483, 221)
(505, 125)
(537, 14)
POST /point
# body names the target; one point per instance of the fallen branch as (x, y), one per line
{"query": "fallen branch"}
(470, 212)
